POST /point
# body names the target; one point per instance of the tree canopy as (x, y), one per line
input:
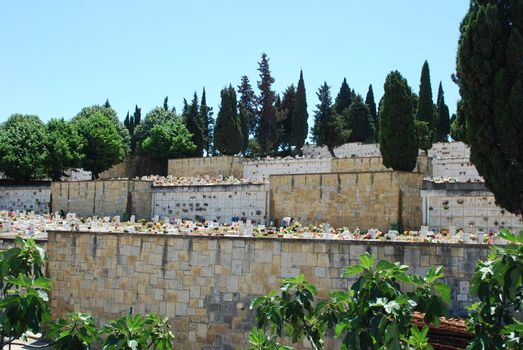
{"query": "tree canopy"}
(169, 139)
(300, 116)
(227, 133)
(267, 132)
(65, 148)
(359, 120)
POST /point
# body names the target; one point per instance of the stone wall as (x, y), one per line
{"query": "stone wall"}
(362, 164)
(265, 167)
(460, 168)
(9, 242)
(216, 202)
(34, 197)
(103, 198)
(134, 166)
(365, 199)
(353, 149)
(204, 284)
(464, 205)
(213, 166)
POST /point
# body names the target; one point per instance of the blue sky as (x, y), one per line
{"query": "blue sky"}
(59, 56)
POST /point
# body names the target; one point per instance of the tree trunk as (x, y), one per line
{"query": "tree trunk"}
(331, 150)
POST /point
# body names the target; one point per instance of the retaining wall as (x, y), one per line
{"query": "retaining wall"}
(213, 166)
(33, 197)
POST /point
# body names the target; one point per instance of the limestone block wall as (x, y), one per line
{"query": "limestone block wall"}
(353, 149)
(449, 150)
(134, 166)
(216, 202)
(465, 204)
(459, 168)
(205, 284)
(423, 164)
(263, 168)
(34, 197)
(103, 198)
(365, 199)
(213, 166)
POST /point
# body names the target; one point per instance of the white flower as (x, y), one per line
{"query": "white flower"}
(133, 344)
(391, 307)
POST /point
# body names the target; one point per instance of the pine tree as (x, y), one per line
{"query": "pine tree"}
(490, 74)
(192, 123)
(344, 98)
(300, 116)
(207, 124)
(359, 120)
(443, 121)
(369, 101)
(267, 133)
(329, 129)
(248, 101)
(425, 110)
(398, 142)
(227, 133)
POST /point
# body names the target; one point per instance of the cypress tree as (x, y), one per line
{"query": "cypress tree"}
(107, 104)
(285, 124)
(329, 129)
(425, 110)
(248, 101)
(137, 115)
(300, 116)
(227, 133)
(344, 98)
(490, 75)
(126, 122)
(166, 103)
(398, 142)
(192, 124)
(207, 123)
(267, 133)
(443, 120)
(135, 120)
(369, 101)
(359, 120)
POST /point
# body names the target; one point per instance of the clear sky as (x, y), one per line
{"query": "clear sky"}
(59, 56)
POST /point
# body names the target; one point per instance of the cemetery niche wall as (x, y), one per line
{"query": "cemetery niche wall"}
(30, 196)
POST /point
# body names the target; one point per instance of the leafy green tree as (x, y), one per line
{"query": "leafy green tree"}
(193, 123)
(157, 115)
(249, 102)
(207, 122)
(110, 113)
(64, 148)
(300, 116)
(104, 146)
(267, 132)
(344, 98)
(398, 142)
(424, 136)
(369, 101)
(288, 104)
(22, 147)
(329, 129)
(425, 109)
(490, 76)
(169, 139)
(228, 138)
(359, 120)
(443, 120)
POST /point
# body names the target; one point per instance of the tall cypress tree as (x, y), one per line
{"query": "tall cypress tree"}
(207, 124)
(107, 104)
(126, 122)
(359, 121)
(227, 133)
(398, 141)
(490, 74)
(267, 133)
(443, 117)
(192, 123)
(344, 98)
(285, 124)
(248, 101)
(425, 110)
(329, 129)
(136, 119)
(369, 101)
(300, 116)
(166, 103)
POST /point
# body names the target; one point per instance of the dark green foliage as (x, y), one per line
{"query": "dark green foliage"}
(244, 116)
(193, 123)
(490, 76)
(498, 284)
(300, 116)
(343, 99)
(288, 104)
(22, 147)
(248, 100)
(329, 129)
(227, 133)
(359, 120)
(134, 121)
(169, 139)
(398, 142)
(207, 124)
(443, 120)
(126, 122)
(110, 113)
(64, 148)
(267, 132)
(104, 146)
(166, 103)
(107, 104)
(76, 331)
(424, 136)
(157, 115)
(373, 314)
(425, 109)
(369, 101)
